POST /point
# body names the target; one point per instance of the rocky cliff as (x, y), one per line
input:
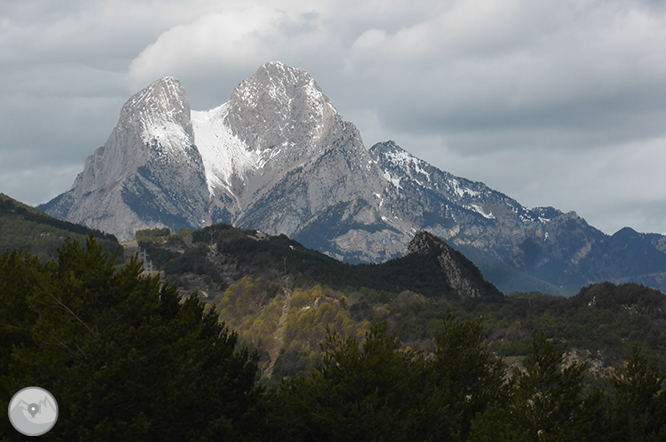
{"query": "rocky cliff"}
(462, 276)
(148, 174)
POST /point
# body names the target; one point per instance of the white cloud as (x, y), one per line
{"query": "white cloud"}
(491, 65)
(237, 39)
(226, 47)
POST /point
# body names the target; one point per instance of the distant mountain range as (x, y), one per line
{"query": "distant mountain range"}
(279, 158)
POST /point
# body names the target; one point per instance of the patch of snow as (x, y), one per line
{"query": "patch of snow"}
(169, 135)
(478, 209)
(462, 191)
(394, 181)
(223, 153)
(405, 160)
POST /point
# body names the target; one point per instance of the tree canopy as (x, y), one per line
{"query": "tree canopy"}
(126, 357)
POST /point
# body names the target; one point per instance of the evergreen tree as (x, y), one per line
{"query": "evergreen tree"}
(546, 402)
(463, 379)
(377, 392)
(640, 409)
(124, 355)
(360, 393)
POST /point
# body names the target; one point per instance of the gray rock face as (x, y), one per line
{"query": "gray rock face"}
(279, 158)
(148, 173)
(463, 277)
(311, 164)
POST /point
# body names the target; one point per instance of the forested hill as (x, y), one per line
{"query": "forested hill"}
(281, 297)
(215, 257)
(24, 227)
(128, 358)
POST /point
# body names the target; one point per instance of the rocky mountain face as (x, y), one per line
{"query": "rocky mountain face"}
(279, 158)
(462, 276)
(148, 174)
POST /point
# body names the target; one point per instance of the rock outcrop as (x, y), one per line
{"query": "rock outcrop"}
(463, 277)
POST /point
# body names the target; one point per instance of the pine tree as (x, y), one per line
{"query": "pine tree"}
(125, 356)
(640, 409)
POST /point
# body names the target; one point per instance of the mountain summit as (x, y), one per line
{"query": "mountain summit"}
(279, 158)
(149, 173)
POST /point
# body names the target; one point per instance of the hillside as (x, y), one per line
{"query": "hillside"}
(24, 227)
(281, 297)
(226, 253)
(130, 359)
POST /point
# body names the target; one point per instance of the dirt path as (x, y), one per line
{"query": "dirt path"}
(278, 336)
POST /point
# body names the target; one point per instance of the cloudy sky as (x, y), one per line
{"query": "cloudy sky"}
(554, 102)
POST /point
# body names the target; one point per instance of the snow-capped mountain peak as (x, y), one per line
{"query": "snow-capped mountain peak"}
(273, 121)
(161, 112)
(279, 158)
(282, 103)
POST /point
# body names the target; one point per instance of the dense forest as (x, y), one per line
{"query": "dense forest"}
(255, 281)
(128, 357)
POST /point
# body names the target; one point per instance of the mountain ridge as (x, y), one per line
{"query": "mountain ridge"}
(227, 254)
(279, 158)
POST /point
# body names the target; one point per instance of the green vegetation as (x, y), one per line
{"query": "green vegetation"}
(24, 227)
(255, 253)
(152, 235)
(600, 324)
(375, 391)
(603, 333)
(129, 359)
(160, 235)
(126, 357)
(252, 307)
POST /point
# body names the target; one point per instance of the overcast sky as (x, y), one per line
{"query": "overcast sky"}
(554, 102)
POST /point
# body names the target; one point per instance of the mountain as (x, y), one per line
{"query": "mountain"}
(518, 248)
(149, 173)
(213, 258)
(279, 158)
(276, 157)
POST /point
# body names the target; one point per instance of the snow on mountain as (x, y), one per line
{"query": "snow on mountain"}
(223, 153)
(279, 158)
